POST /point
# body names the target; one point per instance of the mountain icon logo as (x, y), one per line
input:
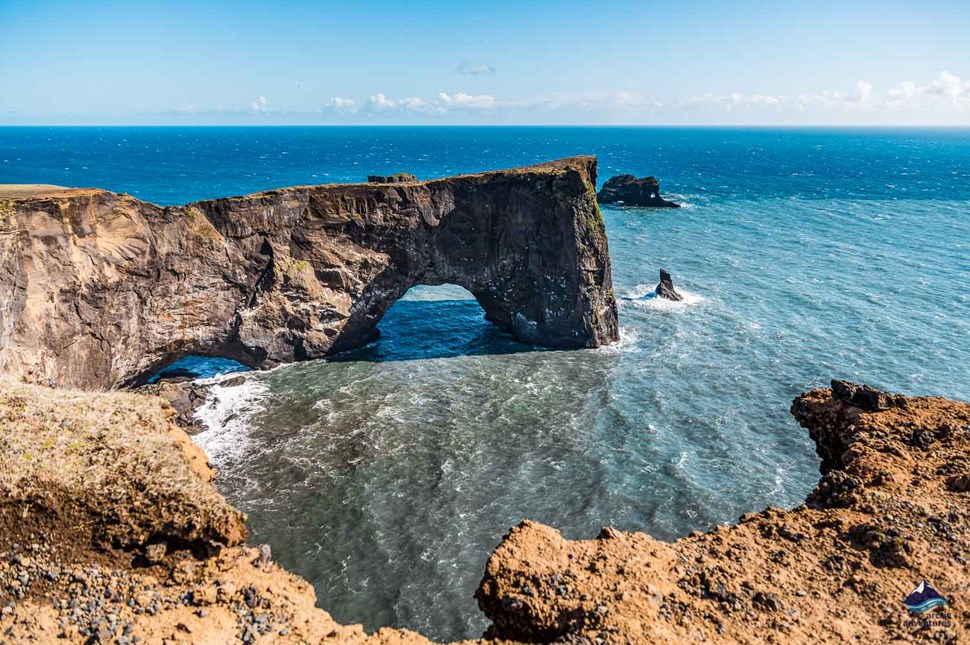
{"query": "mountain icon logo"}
(923, 598)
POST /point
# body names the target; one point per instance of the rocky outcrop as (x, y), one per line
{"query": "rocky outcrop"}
(112, 532)
(101, 290)
(889, 512)
(397, 178)
(666, 287)
(627, 190)
(185, 397)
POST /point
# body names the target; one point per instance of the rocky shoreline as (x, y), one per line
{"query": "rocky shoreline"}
(890, 510)
(111, 531)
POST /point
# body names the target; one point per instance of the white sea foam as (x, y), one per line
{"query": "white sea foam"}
(627, 342)
(684, 200)
(643, 296)
(226, 414)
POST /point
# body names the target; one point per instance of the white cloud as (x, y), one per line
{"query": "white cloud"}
(738, 100)
(856, 99)
(950, 85)
(905, 91)
(413, 102)
(464, 101)
(943, 99)
(341, 105)
(480, 69)
(380, 102)
(945, 86)
(863, 91)
(442, 104)
(860, 98)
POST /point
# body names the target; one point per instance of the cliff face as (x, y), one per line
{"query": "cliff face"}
(100, 290)
(891, 510)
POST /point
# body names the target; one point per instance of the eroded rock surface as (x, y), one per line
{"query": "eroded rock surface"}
(100, 290)
(627, 190)
(890, 510)
(665, 289)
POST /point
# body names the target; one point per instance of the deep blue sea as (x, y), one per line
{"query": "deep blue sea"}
(387, 477)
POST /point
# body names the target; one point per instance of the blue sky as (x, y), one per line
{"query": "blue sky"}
(286, 62)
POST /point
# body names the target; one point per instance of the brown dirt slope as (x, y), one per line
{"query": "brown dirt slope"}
(891, 509)
(112, 532)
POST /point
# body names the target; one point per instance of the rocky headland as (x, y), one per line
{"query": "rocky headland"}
(627, 190)
(101, 290)
(890, 510)
(111, 530)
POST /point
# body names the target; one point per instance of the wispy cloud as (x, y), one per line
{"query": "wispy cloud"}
(946, 97)
(946, 91)
(462, 101)
(479, 69)
(443, 103)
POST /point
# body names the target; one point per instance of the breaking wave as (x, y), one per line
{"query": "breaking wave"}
(226, 414)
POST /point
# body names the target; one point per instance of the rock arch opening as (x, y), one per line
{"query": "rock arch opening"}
(195, 366)
(435, 321)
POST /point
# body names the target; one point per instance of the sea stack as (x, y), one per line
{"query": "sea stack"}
(627, 190)
(666, 287)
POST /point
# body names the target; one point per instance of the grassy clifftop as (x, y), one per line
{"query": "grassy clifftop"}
(111, 531)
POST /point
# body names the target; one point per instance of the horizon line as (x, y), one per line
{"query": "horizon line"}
(494, 125)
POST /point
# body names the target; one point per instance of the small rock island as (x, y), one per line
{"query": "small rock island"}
(627, 190)
(666, 287)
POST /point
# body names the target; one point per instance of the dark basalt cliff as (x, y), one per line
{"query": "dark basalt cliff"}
(100, 290)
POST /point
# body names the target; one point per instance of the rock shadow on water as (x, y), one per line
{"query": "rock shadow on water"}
(428, 329)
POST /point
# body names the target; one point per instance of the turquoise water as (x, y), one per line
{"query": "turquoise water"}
(388, 476)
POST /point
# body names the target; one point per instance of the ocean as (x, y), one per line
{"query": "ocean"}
(387, 475)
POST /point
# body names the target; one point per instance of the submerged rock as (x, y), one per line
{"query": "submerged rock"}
(666, 287)
(627, 190)
(293, 274)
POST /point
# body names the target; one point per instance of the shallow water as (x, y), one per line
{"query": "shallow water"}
(388, 476)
